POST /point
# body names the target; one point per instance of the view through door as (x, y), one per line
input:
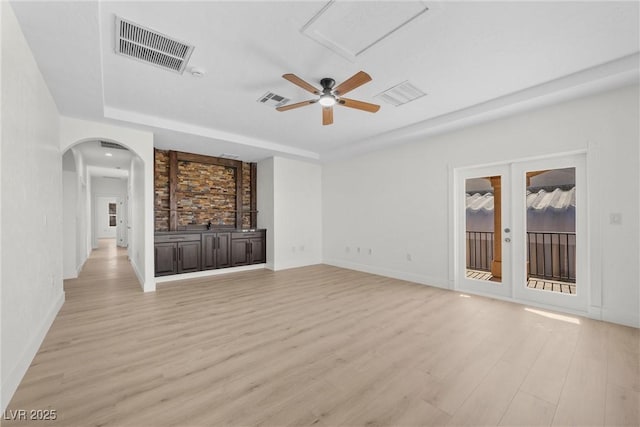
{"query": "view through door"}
(483, 218)
(535, 255)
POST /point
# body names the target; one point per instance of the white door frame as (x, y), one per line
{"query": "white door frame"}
(502, 288)
(579, 301)
(515, 278)
(95, 214)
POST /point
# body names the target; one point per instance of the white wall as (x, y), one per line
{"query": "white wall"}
(137, 221)
(290, 208)
(264, 202)
(74, 131)
(32, 291)
(69, 201)
(396, 201)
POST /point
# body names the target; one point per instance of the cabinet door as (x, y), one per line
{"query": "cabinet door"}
(188, 257)
(209, 251)
(239, 252)
(223, 248)
(165, 259)
(257, 251)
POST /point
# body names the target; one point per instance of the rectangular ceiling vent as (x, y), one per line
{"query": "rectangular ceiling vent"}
(150, 46)
(107, 144)
(273, 100)
(400, 94)
(229, 156)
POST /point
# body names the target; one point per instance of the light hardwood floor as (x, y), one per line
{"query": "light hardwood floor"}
(319, 346)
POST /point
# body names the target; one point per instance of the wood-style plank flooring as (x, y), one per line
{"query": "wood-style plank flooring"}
(320, 346)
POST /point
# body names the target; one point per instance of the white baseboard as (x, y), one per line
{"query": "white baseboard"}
(394, 274)
(207, 273)
(11, 381)
(627, 319)
(80, 267)
(138, 274)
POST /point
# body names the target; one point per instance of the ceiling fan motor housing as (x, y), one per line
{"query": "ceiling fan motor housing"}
(327, 84)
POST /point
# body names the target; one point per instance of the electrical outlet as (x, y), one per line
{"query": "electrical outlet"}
(615, 218)
(358, 249)
(409, 257)
(370, 251)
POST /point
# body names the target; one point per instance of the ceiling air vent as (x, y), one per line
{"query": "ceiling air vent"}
(107, 144)
(401, 94)
(272, 99)
(229, 156)
(150, 46)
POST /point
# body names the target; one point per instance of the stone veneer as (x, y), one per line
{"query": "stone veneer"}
(205, 193)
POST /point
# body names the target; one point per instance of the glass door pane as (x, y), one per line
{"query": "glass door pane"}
(483, 223)
(551, 230)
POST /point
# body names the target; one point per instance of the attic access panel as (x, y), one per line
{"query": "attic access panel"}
(350, 28)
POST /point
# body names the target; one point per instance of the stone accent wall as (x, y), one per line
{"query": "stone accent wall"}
(204, 193)
(246, 195)
(161, 184)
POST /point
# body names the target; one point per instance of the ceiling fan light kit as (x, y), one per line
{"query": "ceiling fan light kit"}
(330, 96)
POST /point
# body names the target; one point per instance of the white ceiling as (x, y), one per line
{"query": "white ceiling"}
(474, 60)
(95, 155)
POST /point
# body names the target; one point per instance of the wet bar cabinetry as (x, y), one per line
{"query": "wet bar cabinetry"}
(247, 248)
(177, 253)
(216, 250)
(189, 251)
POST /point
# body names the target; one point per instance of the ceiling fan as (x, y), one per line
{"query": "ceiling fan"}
(330, 96)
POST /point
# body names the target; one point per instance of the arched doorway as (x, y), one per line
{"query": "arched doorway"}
(138, 207)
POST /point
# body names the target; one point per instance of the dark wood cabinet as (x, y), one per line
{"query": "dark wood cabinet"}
(257, 250)
(166, 255)
(216, 250)
(188, 257)
(196, 251)
(177, 253)
(239, 252)
(248, 248)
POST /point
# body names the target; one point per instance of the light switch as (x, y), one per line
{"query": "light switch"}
(615, 218)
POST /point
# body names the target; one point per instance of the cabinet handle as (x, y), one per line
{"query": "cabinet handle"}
(179, 254)
(217, 243)
(174, 254)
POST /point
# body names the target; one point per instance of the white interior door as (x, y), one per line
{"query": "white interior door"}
(106, 217)
(121, 218)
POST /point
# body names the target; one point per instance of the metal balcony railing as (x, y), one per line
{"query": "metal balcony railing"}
(551, 255)
(479, 250)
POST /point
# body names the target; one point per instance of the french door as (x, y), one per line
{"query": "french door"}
(521, 231)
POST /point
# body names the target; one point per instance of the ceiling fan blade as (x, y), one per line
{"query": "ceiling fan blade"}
(296, 105)
(357, 80)
(360, 105)
(299, 82)
(327, 115)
